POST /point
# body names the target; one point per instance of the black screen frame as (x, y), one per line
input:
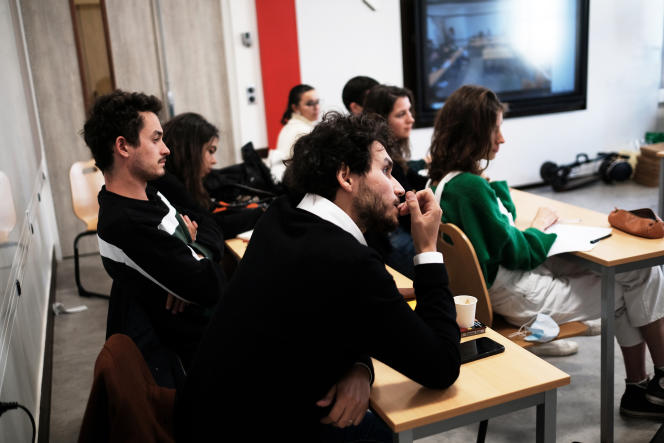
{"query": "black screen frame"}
(413, 42)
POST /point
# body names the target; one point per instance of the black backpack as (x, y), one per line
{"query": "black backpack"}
(241, 192)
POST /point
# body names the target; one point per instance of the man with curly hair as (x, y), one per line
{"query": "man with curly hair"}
(310, 300)
(164, 265)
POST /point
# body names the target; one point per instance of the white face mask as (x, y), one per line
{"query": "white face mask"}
(543, 329)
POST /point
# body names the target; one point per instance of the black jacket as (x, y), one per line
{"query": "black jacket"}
(147, 262)
(306, 302)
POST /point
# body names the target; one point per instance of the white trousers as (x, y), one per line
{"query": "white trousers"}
(567, 292)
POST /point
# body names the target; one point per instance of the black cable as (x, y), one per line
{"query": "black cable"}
(6, 406)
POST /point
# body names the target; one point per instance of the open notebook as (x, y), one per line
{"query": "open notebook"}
(572, 237)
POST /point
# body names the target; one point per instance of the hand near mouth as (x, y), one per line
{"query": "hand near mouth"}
(425, 215)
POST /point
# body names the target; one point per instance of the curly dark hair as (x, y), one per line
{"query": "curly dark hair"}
(380, 99)
(337, 141)
(115, 115)
(462, 131)
(185, 135)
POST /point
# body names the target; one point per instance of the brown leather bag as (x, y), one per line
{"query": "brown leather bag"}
(642, 222)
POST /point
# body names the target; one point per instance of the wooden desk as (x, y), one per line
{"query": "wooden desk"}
(238, 247)
(486, 388)
(620, 253)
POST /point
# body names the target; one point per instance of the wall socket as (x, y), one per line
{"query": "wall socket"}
(251, 95)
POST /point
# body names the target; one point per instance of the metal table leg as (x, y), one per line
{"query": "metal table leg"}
(608, 326)
(403, 437)
(546, 418)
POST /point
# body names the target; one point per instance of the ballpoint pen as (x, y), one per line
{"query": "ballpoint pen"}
(601, 238)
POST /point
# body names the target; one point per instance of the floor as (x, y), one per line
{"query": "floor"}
(79, 337)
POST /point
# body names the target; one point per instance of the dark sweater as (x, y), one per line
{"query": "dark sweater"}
(306, 302)
(146, 263)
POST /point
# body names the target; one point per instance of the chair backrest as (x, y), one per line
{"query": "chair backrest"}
(125, 403)
(464, 270)
(7, 209)
(86, 180)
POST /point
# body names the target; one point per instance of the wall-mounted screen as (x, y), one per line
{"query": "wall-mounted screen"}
(533, 54)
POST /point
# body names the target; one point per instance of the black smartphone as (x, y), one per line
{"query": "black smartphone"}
(479, 348)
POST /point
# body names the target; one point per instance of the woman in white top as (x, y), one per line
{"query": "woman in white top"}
(299, 119)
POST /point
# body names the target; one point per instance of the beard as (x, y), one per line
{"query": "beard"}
(373, 212)
(148, 172)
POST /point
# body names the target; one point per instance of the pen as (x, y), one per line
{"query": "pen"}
(601, 238)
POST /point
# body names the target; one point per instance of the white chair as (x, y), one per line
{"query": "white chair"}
(7, 209)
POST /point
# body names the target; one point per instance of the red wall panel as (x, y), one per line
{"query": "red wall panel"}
(280, 60)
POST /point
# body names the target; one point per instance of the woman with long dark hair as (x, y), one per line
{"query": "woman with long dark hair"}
(395, 105)
(522, 281)
(193, 142)
(299, 118)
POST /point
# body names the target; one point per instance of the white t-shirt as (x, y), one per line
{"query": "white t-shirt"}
(296, 127)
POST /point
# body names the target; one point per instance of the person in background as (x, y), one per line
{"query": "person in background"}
(355, 91)
(193, 142)
(163, 259)
(522, 281)
(299, 118)
(395, 105)
(288, 348)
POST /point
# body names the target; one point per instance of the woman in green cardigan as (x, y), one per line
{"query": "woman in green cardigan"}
(522, 281)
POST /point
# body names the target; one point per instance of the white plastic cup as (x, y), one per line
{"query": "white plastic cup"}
(465, 309)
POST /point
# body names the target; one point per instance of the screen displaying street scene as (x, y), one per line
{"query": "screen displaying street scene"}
(519, 48)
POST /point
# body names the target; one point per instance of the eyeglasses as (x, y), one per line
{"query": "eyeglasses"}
(312, 103)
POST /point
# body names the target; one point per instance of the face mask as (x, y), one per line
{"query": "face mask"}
(543, 329)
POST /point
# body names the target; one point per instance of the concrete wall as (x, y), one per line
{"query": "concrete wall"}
(133, 38)
(194, 63)
(54, 64)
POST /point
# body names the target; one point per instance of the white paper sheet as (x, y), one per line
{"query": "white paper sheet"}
(572, 238)
(246, 235)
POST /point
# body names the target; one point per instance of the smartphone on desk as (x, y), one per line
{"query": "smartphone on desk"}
(472, 350)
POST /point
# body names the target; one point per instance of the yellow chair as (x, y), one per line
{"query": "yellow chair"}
(7, 209)
(86, 180)
(466, 279)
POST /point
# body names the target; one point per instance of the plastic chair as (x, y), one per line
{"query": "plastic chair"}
(86, 180)
(466, 278)
(7, 209)
(125, 403)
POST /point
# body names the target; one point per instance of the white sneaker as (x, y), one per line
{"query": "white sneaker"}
(557, 348)
(594, 326)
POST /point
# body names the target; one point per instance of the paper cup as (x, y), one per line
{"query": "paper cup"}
(465, 309)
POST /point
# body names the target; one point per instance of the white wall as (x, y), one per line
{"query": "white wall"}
(23, 315)
(243, 71)
(344, 38)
